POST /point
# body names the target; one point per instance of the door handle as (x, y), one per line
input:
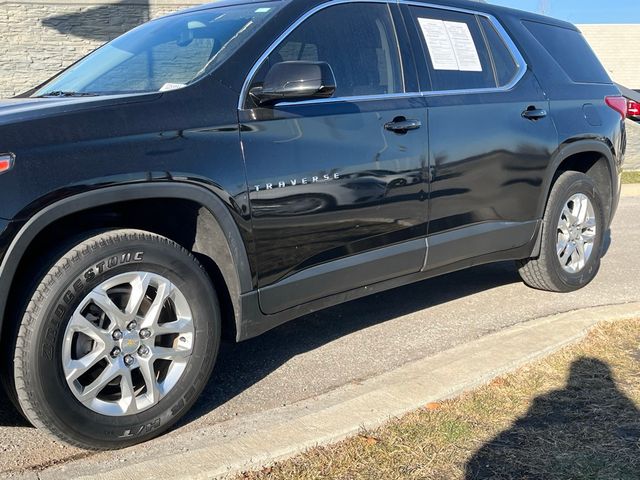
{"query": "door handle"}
(401, 125)
(533, 113)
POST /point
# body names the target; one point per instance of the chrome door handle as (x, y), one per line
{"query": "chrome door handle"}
(402, 125)
(533, 113)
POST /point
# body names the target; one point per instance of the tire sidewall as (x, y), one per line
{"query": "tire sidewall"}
(568, 186)
(88, 268)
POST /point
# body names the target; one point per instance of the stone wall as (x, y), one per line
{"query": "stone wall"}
(618, 48)
(39, 38)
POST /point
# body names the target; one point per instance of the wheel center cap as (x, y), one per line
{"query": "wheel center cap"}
(130, 342)
(574, 233)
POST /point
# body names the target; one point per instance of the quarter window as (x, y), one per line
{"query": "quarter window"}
(571, 51)
(455, 49)
(357, 40)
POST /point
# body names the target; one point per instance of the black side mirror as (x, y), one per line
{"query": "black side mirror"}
(295, 81)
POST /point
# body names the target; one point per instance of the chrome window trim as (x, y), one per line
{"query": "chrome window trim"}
(517, 56)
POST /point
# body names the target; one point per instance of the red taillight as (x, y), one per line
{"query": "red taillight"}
(6, 162)
(619, 104)
(633, 108)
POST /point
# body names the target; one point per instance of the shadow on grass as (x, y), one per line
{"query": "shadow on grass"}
(588, 429)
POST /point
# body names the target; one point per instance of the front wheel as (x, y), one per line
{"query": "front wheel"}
(117, 342)
(572, 237)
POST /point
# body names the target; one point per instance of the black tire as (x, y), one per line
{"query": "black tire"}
(545, 272)
(43, 393)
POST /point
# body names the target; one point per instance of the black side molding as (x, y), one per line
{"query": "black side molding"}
(475, 240)
(255, 321)
(401, 260)
(344, 274)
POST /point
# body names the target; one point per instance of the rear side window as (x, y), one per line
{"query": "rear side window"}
(456, 52)
(505, 65)
(571, 51)
(358, 40)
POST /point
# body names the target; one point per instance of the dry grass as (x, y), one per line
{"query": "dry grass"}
(572, 415)
(631, 177)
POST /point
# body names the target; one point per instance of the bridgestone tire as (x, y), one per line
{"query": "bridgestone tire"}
(546, 272)
(42, 390)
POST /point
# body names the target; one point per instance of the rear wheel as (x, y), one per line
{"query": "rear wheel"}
(117, 342)
(572, 237)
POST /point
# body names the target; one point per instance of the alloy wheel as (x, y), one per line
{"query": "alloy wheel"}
(128, 343)
(576, 233)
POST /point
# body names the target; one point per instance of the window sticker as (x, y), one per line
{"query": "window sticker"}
(464, 46)
(440, 48)
(450, 45)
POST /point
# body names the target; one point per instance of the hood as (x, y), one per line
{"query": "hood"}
(17, 110)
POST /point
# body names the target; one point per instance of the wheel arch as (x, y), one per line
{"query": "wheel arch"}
(592, 157)
(586, 156)
(217, 240)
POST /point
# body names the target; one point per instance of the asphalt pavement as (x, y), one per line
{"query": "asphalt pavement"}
(354, 342)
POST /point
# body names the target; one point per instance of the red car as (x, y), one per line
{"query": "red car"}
(633, 102)
(633, 110)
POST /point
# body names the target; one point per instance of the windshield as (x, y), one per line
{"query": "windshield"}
(164, 54)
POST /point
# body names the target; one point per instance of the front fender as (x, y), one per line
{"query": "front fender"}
(232, 259)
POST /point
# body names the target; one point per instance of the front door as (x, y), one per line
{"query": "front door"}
(338, 197)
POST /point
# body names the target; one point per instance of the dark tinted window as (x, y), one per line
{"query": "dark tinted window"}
(455, 49)
(505, 65)
(571, 51)
(358, 41)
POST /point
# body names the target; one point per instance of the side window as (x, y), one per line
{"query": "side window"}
(456, 52)
(358, 40)
(506, 66)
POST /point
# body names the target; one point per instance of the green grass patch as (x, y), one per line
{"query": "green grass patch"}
(631, 177)
(574, 414)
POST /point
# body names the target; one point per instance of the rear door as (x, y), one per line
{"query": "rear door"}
(490, 134)
(338, 198)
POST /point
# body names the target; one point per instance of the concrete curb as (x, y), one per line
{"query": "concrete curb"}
(263, 438)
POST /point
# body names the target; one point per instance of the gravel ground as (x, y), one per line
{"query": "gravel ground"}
(358, 340)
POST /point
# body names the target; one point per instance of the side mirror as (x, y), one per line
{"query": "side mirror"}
(295, 81)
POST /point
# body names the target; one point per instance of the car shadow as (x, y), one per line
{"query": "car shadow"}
(606, 242)
(241, 365)
(588, 429)
(9, 416)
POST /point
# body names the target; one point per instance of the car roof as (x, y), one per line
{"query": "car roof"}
(475, 5)
(222, 3)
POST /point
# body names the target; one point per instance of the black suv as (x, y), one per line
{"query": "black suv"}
(231, 167)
